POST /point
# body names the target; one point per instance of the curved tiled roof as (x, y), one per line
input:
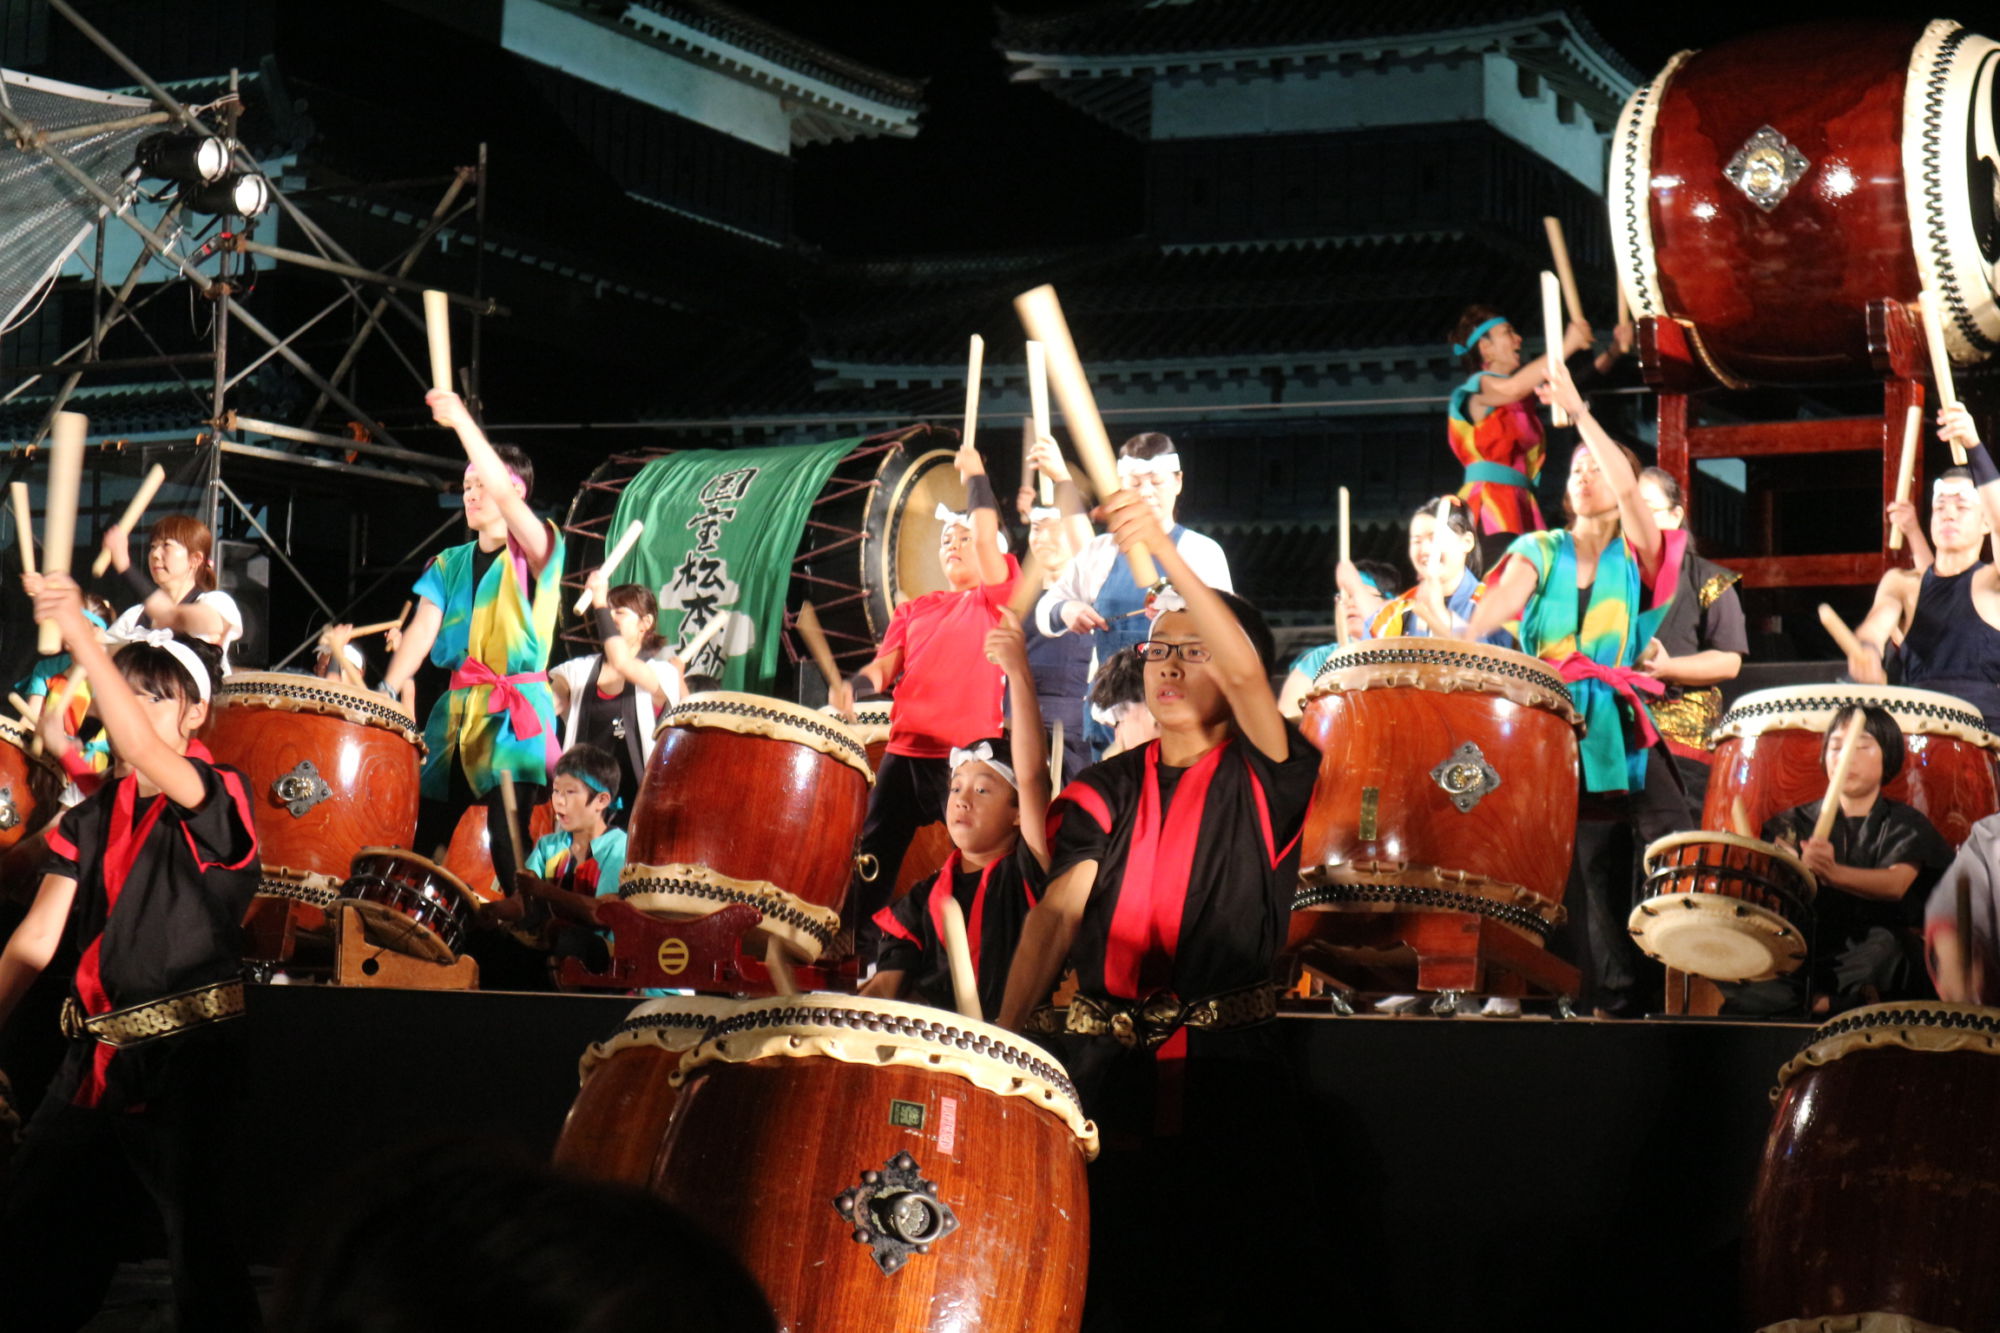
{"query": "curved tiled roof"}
(730, 24)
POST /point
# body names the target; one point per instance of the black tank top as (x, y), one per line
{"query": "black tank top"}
(1950, 648)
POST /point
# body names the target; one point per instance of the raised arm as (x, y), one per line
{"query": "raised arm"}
(1499, 390)
(666, 683)
(1895, 598)
(1955, 423)
(1007, 647)
(979, 496)
(1635, 517)
(418, 636)
(1048, 459)
(528, 532)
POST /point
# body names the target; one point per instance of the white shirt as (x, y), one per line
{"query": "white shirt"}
(576, 674)
(219, 602)
(1085, 576)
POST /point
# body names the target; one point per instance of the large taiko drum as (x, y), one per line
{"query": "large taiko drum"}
(30, 786)
(330, 769)
(1768, 744)
(1725, 907)
(749, 799)
(625, 1097)
(1447, 782)
(887, 1166)
(409, 903)
(932, 843)
(1878, 1196)
(1764, 191)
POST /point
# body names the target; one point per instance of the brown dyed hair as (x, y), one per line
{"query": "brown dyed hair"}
(193, 534)
(1472, 318)
(1632, 459)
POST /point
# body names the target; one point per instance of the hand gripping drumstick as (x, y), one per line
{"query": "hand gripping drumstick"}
(1038, 405)
(1346, 552)
(964, 985)
(1041, 314)
(140, 499)
(437, 324)
(1830, 807)
(1906, 472)
(631, 535)
(807, 624)
(24, 525)
(1552, 329)
(59, 523)
(1940, 362)
(975, 366)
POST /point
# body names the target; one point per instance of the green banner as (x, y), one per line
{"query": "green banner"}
(722, 527)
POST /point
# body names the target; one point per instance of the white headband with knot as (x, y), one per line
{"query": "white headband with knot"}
(1962, 486)
(962, 518)
(164, 638)
(983, 752)
(1160, 465)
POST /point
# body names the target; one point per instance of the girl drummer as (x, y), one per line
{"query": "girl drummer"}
(1492, 425)
(611, 699)
(1060, 662)
(176, 590)
(1447, 561)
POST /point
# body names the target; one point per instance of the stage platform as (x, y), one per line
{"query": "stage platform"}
(1476, 1173)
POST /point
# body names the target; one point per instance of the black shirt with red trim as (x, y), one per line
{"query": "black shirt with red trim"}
(160, 896)
(996, 901)
(1196, 867)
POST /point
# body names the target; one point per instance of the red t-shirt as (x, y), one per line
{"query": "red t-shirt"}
(948, 693)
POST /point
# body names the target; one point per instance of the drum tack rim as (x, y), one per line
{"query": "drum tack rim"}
(286, 692)
(773, 719)
(690, 890)
(1812, 708)
(1929, 1027)
(1660, 846)
(1448, 665)
(668, 1023)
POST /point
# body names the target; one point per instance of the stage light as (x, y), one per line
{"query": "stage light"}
(242, 193)
(191, 158)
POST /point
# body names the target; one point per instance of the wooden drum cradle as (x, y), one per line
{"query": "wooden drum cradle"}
(749, 799)
(1768, 745)
(887, 1166)
(1878, 1195)
(625, 1097)
(330, 769)
(1725, 907)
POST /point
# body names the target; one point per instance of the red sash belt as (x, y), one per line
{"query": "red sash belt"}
(507, 695)
(1628, 683)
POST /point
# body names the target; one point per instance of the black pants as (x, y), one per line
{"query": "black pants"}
(437, 820)
(1612, 832)
(80, 1171)
(909, 793)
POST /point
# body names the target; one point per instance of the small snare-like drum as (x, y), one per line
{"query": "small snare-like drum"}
(1768, 745)
(754, 800)
(1724, 907)
(30, 785)
(330, 770)
(932, 843)
(1878, 1195)
(412, 905)
(619, 1118)
(1447, 781)
(883, 1165)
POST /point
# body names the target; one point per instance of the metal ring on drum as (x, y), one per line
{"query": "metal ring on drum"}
(1725, 907)
(409, 903)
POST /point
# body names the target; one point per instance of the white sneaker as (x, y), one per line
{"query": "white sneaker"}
(1501, 1006)
(1399, 1004)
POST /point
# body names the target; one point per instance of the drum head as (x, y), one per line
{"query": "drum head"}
(903, 530)
(1717, 937)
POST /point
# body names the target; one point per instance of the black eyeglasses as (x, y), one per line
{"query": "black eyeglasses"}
(1158, 650)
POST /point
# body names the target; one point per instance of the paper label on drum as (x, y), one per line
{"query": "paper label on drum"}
(947, 1130)
(907, 1115)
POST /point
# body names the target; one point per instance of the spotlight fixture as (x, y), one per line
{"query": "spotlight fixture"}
(187, 157)
(242, 193)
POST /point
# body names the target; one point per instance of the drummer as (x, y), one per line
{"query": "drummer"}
(1949, 614)
(1874, 870)
(1963, 969)
(1061, 662)
(1447, 590)
(176, 589)
(612, 699)
(1118, 701)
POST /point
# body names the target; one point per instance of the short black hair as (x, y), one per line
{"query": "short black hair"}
(517, 461)
(1148, 444)
(1877, 723)
(1120, 679)
(152, 668)
(1253, 623)
(1458, 517)
(701, 683)
(592, 766)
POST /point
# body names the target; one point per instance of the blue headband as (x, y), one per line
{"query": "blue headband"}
(596, 786)
(1460, 349)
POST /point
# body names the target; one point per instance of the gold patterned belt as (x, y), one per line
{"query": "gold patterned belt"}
(163, 1017)
(1148, 1023)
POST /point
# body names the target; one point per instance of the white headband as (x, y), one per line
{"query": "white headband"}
(1954, 486)
(962, 518)
(1161, 465)
(164, 638)
(1165, 600)
(1043, 513)
(983, 752)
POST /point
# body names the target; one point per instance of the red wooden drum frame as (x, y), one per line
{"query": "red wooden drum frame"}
(749, 799)
(1768, 745)
(1766, 190)
(1448, 782)
(1879, 1190)
(411, 904)
(888, 1166)
(625, 1096)
(30, 786)
(1725, 907)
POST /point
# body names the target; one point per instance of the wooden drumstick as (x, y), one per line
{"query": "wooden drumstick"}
(1038, 404)
(513, 811)
(1927, 306)
(1906, 470)
(1559, 252)
(140, 499)
(1842, 636)
(22, 707)
(701, 639)
(1041, 314)
(1830, 807)
(975, 366)
(964, 983)
(807, 624)
(1739, 818)
(1027, 589)
(1552, 329)
(24, 525)
(610, 565)
(59, 522)
(780, 968)
(1346, 555)
(1056, 756)
(437, 324)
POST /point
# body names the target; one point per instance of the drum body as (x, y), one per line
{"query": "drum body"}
(412, 905)
(1724, 907)
(749, 799)
(885, 1166)
(1447, 781)
(625, 1095)
(1768, 746)
(330, 770)
(30, 786)
(1879, 1188)
(932, 843)
(1766, 190)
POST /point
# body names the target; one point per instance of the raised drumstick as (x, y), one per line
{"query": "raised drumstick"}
(807, 624)
(610, 565)
(1842, 636)
(1552, 328)
(140, 499)
(1559, 252)
(964, 984)
(975, 366)
(1056, 756)
(437, 324)
(24, 525)
(1830, 807)
(21, 706)
(1906, 470)
(1038, 405)
(1027, 589)
(1346, 554)
(59, 523)
(1927, 306)
(1041, 314)
(707, 632)
(507, 803)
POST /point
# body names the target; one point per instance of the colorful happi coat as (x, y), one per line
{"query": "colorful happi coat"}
(1502, 455)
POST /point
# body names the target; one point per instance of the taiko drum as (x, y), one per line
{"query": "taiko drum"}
(1447, 781)
(887, 1166)
(30, 786)
(1879, 1190)
(749, 799)
(410, 903)
(469, 855)
(1724, 907)
(625, 1095)
(1767, 755)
